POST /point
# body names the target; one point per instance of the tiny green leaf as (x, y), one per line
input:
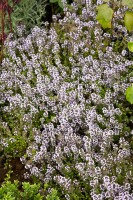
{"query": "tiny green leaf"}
(130, 46)
(128, 19)
(129, 94)
(128, 3)
(105, 15)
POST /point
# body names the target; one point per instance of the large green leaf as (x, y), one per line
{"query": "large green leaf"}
(60, 3)
(129, 94)
(104, 15)
(128, 3)
(53, 1)
(130, 46)
(128, 19)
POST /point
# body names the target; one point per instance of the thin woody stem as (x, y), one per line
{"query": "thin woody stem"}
(5, 7)
(2, 37)
(9, 17)
(2, 23)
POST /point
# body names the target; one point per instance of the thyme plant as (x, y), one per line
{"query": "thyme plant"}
(66, 87)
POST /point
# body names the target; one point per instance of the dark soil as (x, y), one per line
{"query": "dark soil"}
(18, 171)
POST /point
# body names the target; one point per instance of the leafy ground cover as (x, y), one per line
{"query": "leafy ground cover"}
(66, 106)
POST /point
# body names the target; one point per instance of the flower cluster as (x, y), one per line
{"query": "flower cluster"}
(70, 86)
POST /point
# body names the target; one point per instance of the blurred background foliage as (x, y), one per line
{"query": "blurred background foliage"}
(32, 13)
(29, 13)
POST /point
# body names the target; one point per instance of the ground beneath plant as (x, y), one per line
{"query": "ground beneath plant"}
(17, 169)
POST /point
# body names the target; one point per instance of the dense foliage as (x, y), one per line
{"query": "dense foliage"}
(66, 103)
